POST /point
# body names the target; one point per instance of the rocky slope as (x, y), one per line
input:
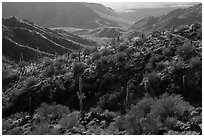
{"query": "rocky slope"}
(161, 74)
(174, 19)
(69, 14)
(24, 38)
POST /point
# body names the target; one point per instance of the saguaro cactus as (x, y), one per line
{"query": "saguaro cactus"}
(67, 55)
(51, 94)
(79, 56)
(30, 105)
(37, 51)
(80, 95)
(22, 66)
(127, 94)
(21, 59)
(183, 84)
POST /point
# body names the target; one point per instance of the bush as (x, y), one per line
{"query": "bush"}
(86, 51)
(169, 106)
(95, 56)
(78, 67)
(120, 57)
(69, 121)
(161, 66)
(5, 73)
(48, 71)
(150, 115)
(74, 55)
(50, 112)
(177, 67)
(122, 47)
(153, 85)
(111, 102)
(195, 62)
(58, 66)
(136, 114)
(106, 52)
(43, 129)
(186, 51)
(30, 82)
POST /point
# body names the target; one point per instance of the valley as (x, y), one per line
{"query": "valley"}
(86, 69)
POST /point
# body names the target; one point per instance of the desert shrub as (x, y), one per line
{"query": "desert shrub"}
(15, 131)
(195, 62)
(106, 52)
(69, 121)
(130, 50)
(186, 51)
(136, 114)
(5, 73)
(78, 67)
(176, 40)
(122, 47)
(58, 66)
(111, 102)
(43, 129)
(50, 112)
(171, 132)
(74, 55)
(120, 57)
(170, 122)
(48, 71)
(6, 125)
(153, 83)
(105, 60)
(95, 56)
(46, 61)
(86, 51)
(177, 67)
(169, 106)
(29, 82)
(148, 55)
(119, 122)
(150, 115)
(8, 77)
(161, 66)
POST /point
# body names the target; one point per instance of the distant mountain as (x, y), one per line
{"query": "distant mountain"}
(174, 19)
(21, 37)
(69, 14)
(138, 14)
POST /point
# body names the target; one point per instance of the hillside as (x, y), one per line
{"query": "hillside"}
(137, 87)
(138, 14)
(59, 14)
(21, 37)
(174, 19)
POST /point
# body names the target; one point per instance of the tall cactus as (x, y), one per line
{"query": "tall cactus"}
(67, 55)
(80, 95)
(51, 96)
(22, 66)
(183, 84)
(37, 51)
(30, 105)
(79, 56)
(127, 94)
(21, 59)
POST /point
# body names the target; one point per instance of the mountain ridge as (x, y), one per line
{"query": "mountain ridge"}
(28, 38)
(174, 19)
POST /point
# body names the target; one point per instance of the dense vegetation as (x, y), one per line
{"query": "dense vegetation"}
(139, 86)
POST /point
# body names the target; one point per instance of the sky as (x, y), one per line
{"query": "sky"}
(122, 6)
